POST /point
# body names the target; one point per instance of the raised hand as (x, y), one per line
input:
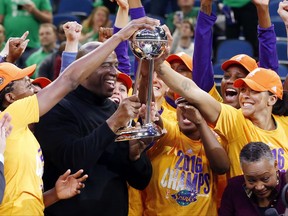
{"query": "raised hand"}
(191, 113)
(261, 2)
(122, 3)
(72, 30)
(105, 33)
(68, 185)
(14, 47)
(283, 12)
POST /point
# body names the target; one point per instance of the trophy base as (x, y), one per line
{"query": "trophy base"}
(149, 130)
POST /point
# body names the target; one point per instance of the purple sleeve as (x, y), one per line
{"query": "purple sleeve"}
(1, 59)
(203, 74)
(136, 13)
(268, 57)
(67, 59)
(122, 54)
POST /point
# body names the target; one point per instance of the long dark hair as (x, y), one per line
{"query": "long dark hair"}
(281, 106)
(6, 90)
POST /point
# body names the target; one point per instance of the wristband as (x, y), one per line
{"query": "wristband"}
(3, 58)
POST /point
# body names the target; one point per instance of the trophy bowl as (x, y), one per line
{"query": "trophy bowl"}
(149, 44)
(145, 44)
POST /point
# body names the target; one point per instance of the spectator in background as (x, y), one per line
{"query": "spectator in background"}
(187, 11)
(25, 15)
(48, 39)
(260, 186)
(241, 19)
(50, 66)
(98, 18)
(183, 38)
(2, 37)
(60, 34)
(160, 7)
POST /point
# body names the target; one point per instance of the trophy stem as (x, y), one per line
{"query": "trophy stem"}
(138, 72)
(150, 89)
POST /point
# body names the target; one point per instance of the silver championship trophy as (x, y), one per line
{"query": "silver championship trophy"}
(149, 45)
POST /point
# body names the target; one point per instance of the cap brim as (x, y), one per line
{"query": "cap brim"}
(250, 83)
(28, 71)
(41, 81)
(228, 63)
(176, 57)
(126, 80)
(173, 57)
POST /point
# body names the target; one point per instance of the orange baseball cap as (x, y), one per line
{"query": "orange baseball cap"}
(41, 81)
(183, 57)
(262, 79)
(10, 72)
(242, 59)
(125, 79)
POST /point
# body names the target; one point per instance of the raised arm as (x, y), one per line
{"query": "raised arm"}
(122, 49)
(266, 35)
(14, 48)
(76, 72)
(136, 11)
(206, 104)
(202, 65)
(73, 33)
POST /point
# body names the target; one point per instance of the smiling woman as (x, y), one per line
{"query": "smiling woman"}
(259, 187)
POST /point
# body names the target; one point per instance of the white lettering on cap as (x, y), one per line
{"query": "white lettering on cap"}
(274, 88)
(239, 58)
(181, 53)
(252, 73)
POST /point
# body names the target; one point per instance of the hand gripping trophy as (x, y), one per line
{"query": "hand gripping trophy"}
(149, 45)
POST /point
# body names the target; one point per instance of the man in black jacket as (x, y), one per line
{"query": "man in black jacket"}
(79, 132)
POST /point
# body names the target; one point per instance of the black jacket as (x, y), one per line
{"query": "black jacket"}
(75, 135)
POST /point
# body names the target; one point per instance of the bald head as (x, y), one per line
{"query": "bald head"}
(87, 48)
